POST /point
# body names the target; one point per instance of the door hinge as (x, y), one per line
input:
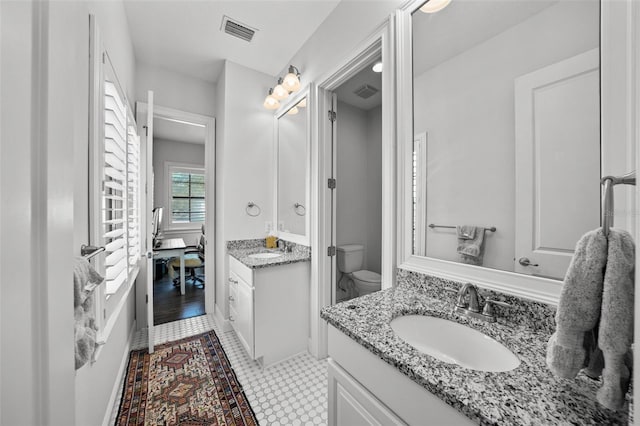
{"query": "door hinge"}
(146, 130)
(331, 251)
(146, 298)
(104, 57)
(331, 183)
(104, 314)
(332, 116)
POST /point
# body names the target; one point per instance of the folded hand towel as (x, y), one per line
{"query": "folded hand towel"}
(579, 306)
(466, 232)
(470, 244)
(615, 334)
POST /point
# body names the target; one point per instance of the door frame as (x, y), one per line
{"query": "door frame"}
(208, 122)
(379, 43)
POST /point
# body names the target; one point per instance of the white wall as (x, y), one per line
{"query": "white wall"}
(466, 106)
(175, 152)
(244, 162)
(350, 23)
(292, 171)
(94, 383)
(174, 90)
(359, 176)
(45, 80)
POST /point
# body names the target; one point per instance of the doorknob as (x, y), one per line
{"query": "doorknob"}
(524, 261)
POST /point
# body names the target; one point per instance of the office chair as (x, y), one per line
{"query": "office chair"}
(193, 259)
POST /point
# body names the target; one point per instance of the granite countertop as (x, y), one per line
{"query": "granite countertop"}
(242, 254)
(529, 394)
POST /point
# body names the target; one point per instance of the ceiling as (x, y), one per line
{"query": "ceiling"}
(365, 76)
(178, 131)
(185, 36)
(479, 20)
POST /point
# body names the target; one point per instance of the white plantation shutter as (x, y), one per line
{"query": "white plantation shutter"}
(114, 193)
(133, 191)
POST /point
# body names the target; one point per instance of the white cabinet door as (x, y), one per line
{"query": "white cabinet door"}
(243, 323)
(350, 404)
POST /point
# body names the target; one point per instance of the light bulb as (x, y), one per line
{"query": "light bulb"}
(293, 111)
(291, 81)
(433, 6)
(279, 92)
(270, 102)
(377, 67)
(302, 103)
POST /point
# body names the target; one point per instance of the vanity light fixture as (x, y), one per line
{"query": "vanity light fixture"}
(433, 6)
(293, 111)
(270, 102)
(377, 67)
(302, 103)
(292, 79)
(279, 92)
(287, 85)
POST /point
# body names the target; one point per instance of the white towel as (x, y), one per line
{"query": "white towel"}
(615, 334)
(470, 244)
(85, 326)
(579, 306)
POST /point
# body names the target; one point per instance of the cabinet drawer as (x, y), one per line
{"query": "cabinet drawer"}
(241, 271)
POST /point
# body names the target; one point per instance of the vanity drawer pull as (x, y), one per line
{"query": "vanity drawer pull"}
(231, 280)
(231, 298)
(231, 318)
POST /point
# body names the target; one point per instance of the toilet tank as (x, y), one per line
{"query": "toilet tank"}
(350, 257)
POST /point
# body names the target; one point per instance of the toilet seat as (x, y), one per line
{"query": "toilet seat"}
(367, 277)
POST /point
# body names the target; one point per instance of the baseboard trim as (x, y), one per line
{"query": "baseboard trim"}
(106, 421)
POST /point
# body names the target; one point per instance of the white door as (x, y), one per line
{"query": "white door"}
(149, 218)
(557, 163)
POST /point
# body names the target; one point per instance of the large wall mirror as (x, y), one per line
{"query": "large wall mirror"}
(506, 157)
(293, 161)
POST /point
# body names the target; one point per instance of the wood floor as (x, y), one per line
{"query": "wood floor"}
(169, 305)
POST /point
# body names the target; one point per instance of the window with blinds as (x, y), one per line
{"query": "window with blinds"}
(133, 195)
(187, 195)
(114, 197)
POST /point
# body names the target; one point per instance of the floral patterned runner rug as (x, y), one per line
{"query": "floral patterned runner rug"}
(187, 382)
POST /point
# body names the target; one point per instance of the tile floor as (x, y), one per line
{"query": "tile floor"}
(293, 392)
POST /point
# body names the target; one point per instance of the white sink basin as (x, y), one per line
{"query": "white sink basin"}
(265, 255)
(454, 343)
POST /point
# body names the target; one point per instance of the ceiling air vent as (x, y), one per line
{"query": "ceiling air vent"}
(365, 91)
(237, 29)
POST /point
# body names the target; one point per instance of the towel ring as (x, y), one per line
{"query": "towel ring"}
(251, 206)
(299, 209)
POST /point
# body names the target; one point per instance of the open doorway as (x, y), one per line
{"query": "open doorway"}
(167, 235)
(179, 192)
(358, 169)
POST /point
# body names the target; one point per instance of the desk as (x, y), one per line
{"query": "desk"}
(172, 247)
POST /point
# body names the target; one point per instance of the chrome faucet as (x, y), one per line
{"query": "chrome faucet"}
(468, 304)
(472, 304)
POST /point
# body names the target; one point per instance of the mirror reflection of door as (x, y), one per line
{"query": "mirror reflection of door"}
(557, 162)
(509, 94)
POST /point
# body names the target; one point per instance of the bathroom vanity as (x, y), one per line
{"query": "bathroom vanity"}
(410, 387)
(269, 302)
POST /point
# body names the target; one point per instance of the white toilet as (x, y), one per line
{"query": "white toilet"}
(350, 259)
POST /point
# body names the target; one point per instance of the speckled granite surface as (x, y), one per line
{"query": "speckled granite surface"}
(529, 394)
(241, 249)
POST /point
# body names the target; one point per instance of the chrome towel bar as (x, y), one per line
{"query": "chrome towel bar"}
(432, 225)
